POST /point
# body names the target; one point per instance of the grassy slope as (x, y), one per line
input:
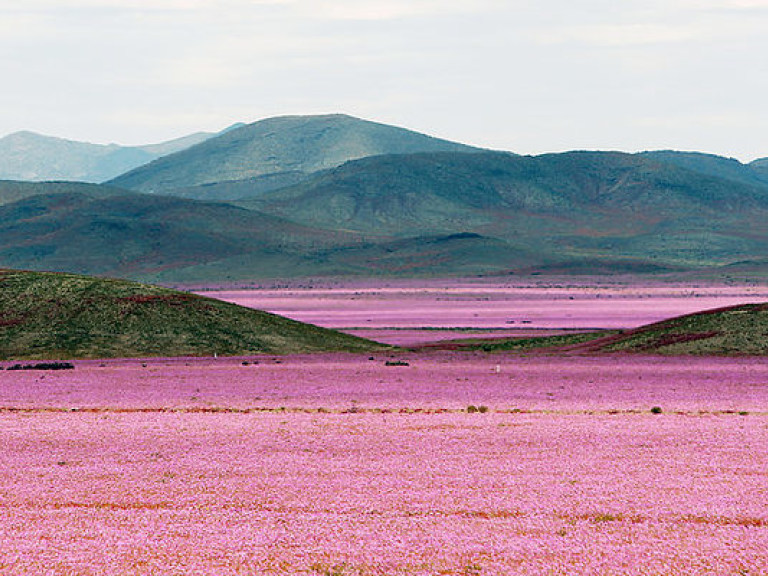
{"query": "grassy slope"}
(61, 316)
(737, 330)
(569, 208)
(407, 215)
(448, 190)
(733, 331)
(712, 165)
(136, 235)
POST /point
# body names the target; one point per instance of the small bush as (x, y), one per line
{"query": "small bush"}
(396, 363)
(43, 366)
(656, 410)
(472, 409)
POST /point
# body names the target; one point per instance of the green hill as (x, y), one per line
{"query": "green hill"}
(12, 190)
(569, 208)
(445, 191)
(444, 213)
(732, 331)
(286, 144)
(63, 316)
(138, 236)
(712, 165)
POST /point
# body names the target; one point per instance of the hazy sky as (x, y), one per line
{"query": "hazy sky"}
(525, 76)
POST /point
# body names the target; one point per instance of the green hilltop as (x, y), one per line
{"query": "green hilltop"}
(290, 145)
(66, 316)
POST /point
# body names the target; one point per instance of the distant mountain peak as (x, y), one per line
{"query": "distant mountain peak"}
(281, 144)
(27, 155)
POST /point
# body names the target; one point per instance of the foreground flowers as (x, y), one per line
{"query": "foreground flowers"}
(215, 467)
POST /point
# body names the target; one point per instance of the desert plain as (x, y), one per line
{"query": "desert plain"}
(418, 460)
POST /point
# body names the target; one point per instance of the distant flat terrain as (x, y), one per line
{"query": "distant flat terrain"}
(413, 312)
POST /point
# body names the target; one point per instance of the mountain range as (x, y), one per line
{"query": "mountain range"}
(335, 195)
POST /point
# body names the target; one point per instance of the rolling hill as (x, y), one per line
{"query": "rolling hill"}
(35, 157)
(736, 330)
(285, 144)
(64, 316)
(713, 165)
(422, 214)
(13, 191)
(572, 207)
(334, 195)
(142, 236)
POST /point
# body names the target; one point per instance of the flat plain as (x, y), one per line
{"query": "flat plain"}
(428, 462)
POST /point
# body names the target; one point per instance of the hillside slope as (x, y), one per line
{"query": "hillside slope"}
(712, 165)
(286, 144)
(140, 236)
(13, 190)
(64, 316)
(442, 213)
(580, 205)
(733, 331)
(736, 330)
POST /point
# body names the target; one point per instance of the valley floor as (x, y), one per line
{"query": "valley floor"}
(413, 312)
(343, 465)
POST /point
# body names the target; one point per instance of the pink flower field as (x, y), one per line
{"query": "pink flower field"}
(503, 308)
(341, 465)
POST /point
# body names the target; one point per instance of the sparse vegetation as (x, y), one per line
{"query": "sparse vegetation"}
(734, 331)
(64, 316)
(472, 409)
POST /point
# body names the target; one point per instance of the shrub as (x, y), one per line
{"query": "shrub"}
(43, 366)
(472, 409)
(656, 410)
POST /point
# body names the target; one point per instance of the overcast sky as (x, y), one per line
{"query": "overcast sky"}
(525, 76)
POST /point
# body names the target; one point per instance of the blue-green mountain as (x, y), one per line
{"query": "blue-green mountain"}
(35, 157)
(283, 147)
(334, 195)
